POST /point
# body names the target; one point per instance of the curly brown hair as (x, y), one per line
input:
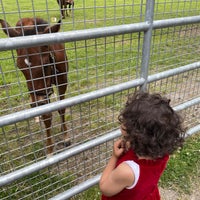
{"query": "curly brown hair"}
(153, 128)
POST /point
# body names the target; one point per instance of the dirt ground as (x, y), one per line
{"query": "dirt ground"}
(167, 194)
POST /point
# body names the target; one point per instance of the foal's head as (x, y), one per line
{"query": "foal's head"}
(36, 63)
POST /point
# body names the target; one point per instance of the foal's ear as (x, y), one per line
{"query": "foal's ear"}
(54, 28)
(8, 30)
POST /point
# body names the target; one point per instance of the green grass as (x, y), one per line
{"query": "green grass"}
(183, 167)
(36, 185)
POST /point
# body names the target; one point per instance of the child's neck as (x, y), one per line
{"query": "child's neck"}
(144, 157)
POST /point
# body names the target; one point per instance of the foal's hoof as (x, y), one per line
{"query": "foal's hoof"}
(67, 143)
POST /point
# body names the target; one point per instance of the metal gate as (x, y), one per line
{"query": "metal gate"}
(113, 49)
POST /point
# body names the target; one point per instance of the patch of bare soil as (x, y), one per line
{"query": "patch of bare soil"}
(169, 194)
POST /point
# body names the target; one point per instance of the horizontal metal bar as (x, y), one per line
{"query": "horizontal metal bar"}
(15, 175)
(8, 178)
(176, 22)
(70, 36)
(193, 130)
(77, 189)
(33, 112)
(94, 180)
(187, 104)
(172, 72)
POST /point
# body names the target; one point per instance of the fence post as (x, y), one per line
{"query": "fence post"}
(149, 13)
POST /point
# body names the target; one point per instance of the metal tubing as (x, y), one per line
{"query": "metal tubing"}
(187, 104)
(62, 37)
(6, 179)
(70, 36)
(13, 176)
(33, 112)
(77, 189)
(172, 72)
(175, 22)
(93, 181)
(37, 111)
(147, 43)
(193, 130)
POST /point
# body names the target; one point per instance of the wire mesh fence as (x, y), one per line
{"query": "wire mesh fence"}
(106, 63)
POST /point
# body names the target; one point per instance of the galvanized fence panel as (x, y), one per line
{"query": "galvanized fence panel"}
(113, 48)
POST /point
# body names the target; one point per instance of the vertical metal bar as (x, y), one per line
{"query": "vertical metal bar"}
(147, 42)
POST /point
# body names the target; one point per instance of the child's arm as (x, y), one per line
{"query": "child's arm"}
(113, 180)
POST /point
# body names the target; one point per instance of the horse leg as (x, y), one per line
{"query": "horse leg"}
(68, 8)
(47, 119)
(62, 87)
(63, 12)
(67, 141)
(72, 9)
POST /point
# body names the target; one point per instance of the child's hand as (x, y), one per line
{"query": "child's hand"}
(118, 148)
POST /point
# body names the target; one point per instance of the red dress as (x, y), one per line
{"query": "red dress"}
(147, 185)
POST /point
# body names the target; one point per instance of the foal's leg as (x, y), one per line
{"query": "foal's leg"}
(67, 141)
(71, 8)
(62, 8)
(68, 8)
(47, 119)
(63, 13)
(62, 87)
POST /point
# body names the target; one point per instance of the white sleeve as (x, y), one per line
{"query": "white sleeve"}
(136, 171)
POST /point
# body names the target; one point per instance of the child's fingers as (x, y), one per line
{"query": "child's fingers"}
(119, 143)
(119, 148)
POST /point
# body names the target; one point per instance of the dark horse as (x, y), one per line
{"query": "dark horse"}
(64, 5)
(42, 67)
